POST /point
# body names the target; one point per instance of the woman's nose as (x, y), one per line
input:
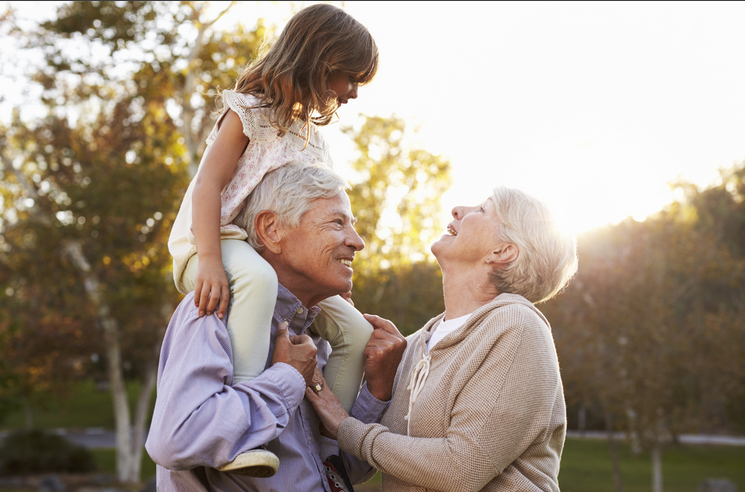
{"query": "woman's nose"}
(458, 212)
(353, 93)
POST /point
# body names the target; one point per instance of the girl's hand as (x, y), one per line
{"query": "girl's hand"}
(210, 287)
(327, 406)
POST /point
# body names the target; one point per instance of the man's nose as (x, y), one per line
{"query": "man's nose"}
(354, 241)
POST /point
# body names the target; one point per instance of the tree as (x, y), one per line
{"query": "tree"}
(639, 328)
(396, 201)
(91, 190)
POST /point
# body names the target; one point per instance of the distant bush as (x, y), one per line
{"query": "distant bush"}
(25, 452)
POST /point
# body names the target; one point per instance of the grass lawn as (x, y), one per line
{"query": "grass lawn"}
(586, 467)
(106, 461)
(86, 407)
(585, 464)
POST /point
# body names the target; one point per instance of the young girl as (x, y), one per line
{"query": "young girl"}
(269, 119)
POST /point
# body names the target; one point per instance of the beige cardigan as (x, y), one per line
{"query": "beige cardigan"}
(491, 415)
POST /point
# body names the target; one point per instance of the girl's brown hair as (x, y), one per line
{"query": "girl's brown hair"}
(291, 79)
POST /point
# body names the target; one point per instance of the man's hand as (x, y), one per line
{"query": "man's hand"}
(382, 355)
(210, 287)
(297, 351)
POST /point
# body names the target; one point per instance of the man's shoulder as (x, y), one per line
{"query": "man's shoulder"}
(186, 319)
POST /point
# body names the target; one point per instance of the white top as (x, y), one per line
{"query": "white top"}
(265, 152)
(445, 328)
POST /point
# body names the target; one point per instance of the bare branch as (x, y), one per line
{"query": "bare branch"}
(28, 186)
(22, 180)
(203, 28)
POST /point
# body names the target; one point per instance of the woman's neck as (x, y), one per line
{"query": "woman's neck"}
(466, 291)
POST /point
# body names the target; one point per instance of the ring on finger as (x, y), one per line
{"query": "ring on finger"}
(317, 387)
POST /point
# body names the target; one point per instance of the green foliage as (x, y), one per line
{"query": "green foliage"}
(27, 452)
(401, 178)
(88, 193)
(650, 329)
(128, 110)
(396, 202)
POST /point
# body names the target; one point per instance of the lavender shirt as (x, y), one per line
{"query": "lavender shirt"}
(202, 421)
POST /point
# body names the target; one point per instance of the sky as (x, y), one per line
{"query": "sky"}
(591, 107)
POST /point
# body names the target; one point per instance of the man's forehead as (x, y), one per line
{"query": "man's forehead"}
(337, 205)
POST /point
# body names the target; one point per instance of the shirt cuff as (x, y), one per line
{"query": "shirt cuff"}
(368, 409)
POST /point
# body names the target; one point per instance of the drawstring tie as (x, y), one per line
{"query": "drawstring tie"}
(418, 378)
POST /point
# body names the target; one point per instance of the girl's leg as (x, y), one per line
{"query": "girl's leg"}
(253, 294)
(348, 332)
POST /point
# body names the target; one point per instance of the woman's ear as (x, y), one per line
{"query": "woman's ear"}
(503, 254)
(267, 228)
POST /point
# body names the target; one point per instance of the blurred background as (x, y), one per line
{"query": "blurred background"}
(625, 118)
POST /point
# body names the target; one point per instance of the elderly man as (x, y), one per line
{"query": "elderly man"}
(202, 420)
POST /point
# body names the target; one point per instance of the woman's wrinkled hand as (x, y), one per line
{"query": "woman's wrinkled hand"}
(327, 406)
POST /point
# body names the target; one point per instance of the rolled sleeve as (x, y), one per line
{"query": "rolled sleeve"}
(199, 418)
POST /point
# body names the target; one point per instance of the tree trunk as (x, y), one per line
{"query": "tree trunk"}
(141, 414)
(127, 467)
(29, 414)
(636, 446)
(657, 468)
(613, 454)
(143, 401)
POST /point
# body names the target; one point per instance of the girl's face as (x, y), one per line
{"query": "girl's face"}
(342, 85)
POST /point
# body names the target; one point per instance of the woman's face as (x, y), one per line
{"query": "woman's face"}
(471, 236)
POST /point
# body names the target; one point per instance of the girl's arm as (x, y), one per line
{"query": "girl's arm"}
(217, 167)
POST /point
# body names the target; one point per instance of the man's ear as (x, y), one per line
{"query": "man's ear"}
(267, 228)
(503, 254)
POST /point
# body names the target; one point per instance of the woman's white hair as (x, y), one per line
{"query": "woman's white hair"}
(289, 192)
(548, 256)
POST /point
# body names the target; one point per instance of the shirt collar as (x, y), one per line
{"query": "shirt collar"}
(290, 309)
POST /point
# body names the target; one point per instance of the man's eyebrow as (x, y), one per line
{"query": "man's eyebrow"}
(345, 216)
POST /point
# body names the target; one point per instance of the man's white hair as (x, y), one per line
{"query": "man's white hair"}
(289, 192)
(548, 255)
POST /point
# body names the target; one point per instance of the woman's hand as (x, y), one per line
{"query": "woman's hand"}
(327, 406)
(211, 286)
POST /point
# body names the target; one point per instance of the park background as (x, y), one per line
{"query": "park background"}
(625, 119)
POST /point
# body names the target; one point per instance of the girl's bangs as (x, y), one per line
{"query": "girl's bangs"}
(365, 67)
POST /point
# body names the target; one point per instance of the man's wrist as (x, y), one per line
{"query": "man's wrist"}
(380, 393)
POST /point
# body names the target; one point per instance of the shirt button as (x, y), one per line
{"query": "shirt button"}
(300, 311)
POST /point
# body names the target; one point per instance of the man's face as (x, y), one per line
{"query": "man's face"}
(316, 258)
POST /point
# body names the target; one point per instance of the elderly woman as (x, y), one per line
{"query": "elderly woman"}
(477, 399)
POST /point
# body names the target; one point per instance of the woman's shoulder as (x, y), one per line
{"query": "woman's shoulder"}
(513, 312)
